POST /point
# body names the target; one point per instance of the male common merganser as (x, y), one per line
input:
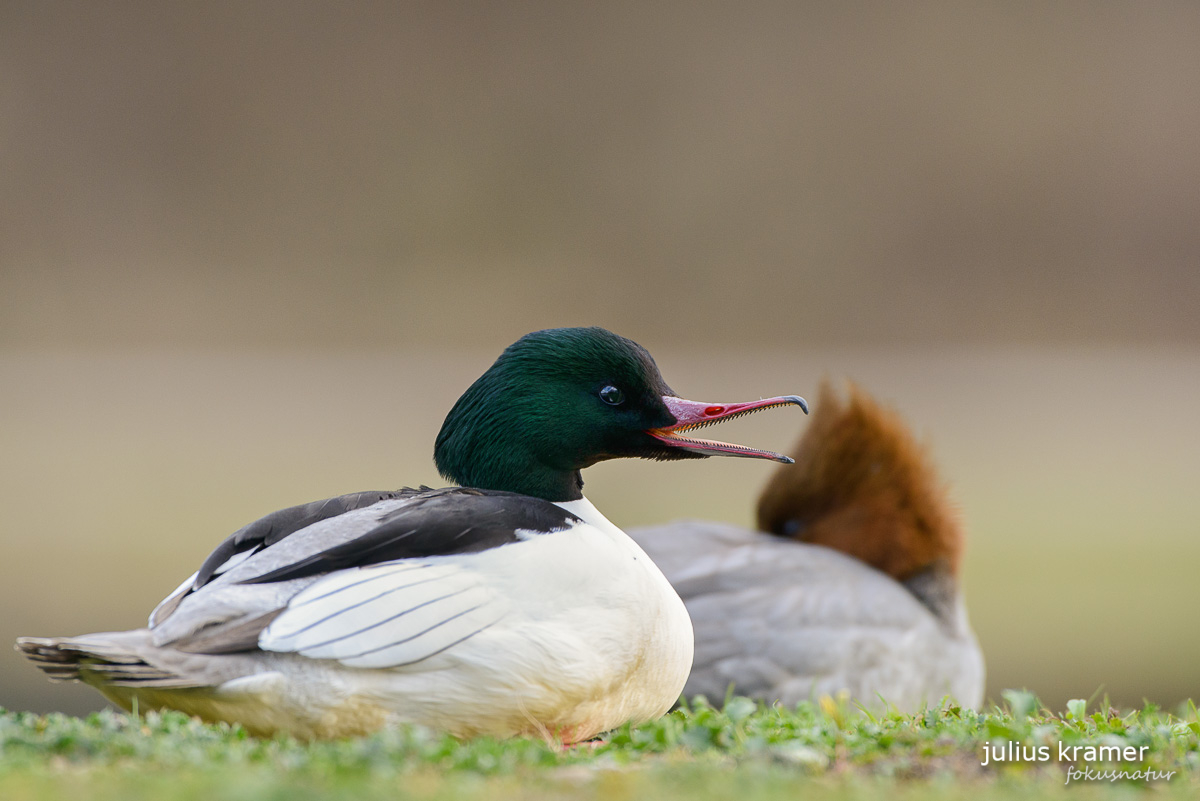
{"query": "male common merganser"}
(855, 587)
(503, 606)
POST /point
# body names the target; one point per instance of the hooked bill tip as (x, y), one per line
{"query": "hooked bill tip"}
(799, 401)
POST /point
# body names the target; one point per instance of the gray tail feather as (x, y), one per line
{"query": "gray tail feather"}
(96, 662)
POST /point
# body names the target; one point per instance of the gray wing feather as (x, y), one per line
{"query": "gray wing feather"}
(223, 611)
(386, 615)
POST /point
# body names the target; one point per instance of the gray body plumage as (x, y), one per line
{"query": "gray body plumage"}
(787, 621)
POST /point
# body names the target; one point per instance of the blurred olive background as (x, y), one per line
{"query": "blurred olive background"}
(250, 253)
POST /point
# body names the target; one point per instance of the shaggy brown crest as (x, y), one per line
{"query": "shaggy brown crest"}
(863, 486)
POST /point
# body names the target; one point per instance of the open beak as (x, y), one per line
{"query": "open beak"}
(690, 415)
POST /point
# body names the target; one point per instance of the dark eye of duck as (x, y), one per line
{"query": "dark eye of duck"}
(611, 395)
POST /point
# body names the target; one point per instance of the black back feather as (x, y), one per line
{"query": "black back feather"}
(436, 523)
(268, 530)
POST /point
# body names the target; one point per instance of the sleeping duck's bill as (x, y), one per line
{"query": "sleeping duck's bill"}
(691, 415)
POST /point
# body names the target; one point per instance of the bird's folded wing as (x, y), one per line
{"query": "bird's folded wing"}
(268, 531)
(339, 587)
(385, 616)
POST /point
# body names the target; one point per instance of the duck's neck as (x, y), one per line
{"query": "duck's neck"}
(509, 469)
(936, 586)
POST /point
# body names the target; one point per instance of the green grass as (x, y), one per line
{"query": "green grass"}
(745, 751)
